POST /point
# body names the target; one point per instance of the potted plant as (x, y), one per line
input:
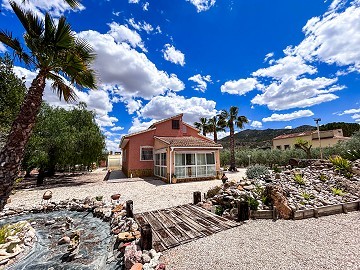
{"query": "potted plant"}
(173, 178)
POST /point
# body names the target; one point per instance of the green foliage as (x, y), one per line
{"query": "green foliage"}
(253, 203)
(10, 230)
(255, 171)
(340, 164)
(219, 210)
(276, 169)
(99, 198)
(299, 179)
(323, 177)
(338, 191)
(64, 138)
(213, 191)
(307, 196)
(352, 154)
(12, 93)
(304, 145)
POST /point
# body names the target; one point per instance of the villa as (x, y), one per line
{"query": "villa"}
(170, 149)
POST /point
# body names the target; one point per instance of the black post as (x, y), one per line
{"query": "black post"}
(129, 209)
(243, 211)
(275, 214)
(146, 237)
(197, 197)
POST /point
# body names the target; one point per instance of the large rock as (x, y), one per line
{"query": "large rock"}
(279, 200)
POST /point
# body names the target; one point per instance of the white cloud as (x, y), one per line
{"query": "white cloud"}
(2, 48)
(201, 82)
(268, 56)
(132, 105)
(350, 111)
(117, 13)
(297, 93)
(121, 33)
(117, 128)
(222, 134)
(143, 26)
(288, 127)
(284, 68)
(202, 5)
(137, 125)
(355, 116)
(55, 7)
(240, 87)
(256, 124)
(288, 116)
(333, 38)
(146, 6)
(173, 55)
(172, 104)
(126, 72)
(134, 1)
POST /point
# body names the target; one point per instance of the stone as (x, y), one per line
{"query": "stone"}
(137, 266)
(145, 258)
(250, 187)
(160, 266)
(64, 240)
(279, 200)
(125, 237)
(50, 222)
(240, 187)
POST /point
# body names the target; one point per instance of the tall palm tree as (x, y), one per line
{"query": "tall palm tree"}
(232, 119)
(55, 52)
(202, 125)
(216, 124)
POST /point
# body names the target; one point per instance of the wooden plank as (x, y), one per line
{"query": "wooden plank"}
(309, 213)
(352, 206)
(262, 214)
(298, 215)
(205, 219)
(330, 210)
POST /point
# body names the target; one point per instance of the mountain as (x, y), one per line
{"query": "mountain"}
(254, 138)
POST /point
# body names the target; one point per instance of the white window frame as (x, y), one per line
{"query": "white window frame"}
(143, 147)
(160, 165)
(196, 166)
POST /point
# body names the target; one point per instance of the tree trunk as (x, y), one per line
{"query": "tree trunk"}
(232, 150)
(215, 135)
(13, 152)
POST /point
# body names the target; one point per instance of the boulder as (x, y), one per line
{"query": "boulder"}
(277, 196)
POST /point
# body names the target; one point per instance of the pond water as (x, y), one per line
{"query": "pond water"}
(96, 243)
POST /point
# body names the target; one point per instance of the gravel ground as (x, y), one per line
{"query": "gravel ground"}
(331, 242)
(147, 195)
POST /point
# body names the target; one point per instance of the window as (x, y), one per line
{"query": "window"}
(286, 146)
(146, 153)
(160, 165)
(189, 165)
(278, 147)
(175, 124)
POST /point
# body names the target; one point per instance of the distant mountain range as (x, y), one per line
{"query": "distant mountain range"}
(254, 138)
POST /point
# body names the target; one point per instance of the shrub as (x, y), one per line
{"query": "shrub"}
(323, 177)
(277, 169)
(338, 191)
(341, 165)
(219, 210)
(213, 191)
(307, 196)
(10, 230)
(255, 171)
(299, 179)
(253, 203)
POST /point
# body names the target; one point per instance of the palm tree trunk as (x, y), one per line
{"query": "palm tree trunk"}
(215, 136)
(13, 152)
(232, 150)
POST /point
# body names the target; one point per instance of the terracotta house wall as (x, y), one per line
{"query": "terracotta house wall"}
(164, 129)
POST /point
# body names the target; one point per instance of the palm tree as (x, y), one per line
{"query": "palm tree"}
(55, 52)
(231, 119)
(202, 125)
(216, 124)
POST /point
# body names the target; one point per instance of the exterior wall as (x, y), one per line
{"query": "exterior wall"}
(289, 141)
(125, 159)
(165, 129)
(326, 142)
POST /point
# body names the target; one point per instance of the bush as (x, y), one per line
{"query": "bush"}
(338, 191)
(213, 191)
(341, 165)
(299, 179)
(253, 203)
(255, 171)
(219, 210)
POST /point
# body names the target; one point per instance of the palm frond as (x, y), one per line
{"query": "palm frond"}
(64, 36)
(61, 88)
(14, 43)
(50, 29)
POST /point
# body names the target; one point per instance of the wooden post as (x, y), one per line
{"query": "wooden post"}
(197, 197)
(275, 214)
(316, 213)
(243, 211)
(344, 208)
(146, 237)
(129, 209)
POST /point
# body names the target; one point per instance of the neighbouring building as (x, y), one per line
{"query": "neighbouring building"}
(114, 161)
(170, 148)
(328, 138)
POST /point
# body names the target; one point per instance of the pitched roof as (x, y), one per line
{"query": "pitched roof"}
(293, 135)
(161, 121)
(188, 141)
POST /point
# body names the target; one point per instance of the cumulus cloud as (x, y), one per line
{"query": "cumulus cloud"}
(288, 127)
(127, 72)
(350, 111)
(121, 33)
(240, 87)
(148, 28)
(297, 93)
(202, 5)
(138, 125)
(117, 128)
(55, 7)
(256, 124)
(173, 55)
(288, 116)
(268, 56)
(201, 81)
(134, 1)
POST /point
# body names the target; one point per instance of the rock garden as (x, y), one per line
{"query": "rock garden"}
(311, 184)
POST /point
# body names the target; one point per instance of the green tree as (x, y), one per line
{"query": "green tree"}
(62, 139)
(202, 125)
(232, 119)
(12, 92)
(216, 124)
(304, 145)
(55, 52)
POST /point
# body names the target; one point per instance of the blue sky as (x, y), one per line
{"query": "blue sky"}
(282, 63)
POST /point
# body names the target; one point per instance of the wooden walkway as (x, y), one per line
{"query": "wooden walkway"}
(181, 224)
